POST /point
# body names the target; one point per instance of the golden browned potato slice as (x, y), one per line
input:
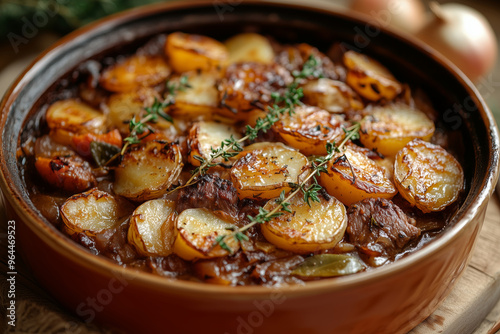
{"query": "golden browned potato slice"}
(91, 212)
(188, 52)
(427, 176)
(369, 78)
(200, 99)
(134, 72)
(152, 228)
(265, 169)
(249, 47)
(205, 136)
(123, 107)
(308, 228)
(389, 128)
(294, 57)
(385, 162)
(147, 170)
(246, 87)
(309, 129)
(197, 230)
(67, 117)
(331, 95)
(351, 177)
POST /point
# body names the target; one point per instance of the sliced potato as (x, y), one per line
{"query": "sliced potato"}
(205, 136)
(369, 78)
(197, 230)
(91, 212)
(308, 228)
(152, 228)
(249, 47)
(265, 169)
(294, 57)
(200, 99)
(309, 129)
(189, 52)
(427, 176)
(75, 116)
(387, 164)
(331, 95)
(369, 179)
(389, 128)
(67, 117)
(123, 107)
(135, 72)
(147, 170)
(247, 87)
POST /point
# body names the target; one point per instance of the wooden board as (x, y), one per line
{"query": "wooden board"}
(473, 305)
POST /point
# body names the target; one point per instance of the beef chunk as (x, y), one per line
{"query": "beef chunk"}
(276, 270)
(228, 270)
(169, 266)
(113, 243)
(294, 57)
(209, 192)
(378, 227)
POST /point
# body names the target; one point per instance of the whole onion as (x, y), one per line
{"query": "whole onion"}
(406, 15)
(463, 35)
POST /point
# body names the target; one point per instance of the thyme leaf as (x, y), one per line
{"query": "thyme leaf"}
(154, 112)
(310, 192)
(283, 103)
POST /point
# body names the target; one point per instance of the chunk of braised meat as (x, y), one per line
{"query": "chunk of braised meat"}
(113, 244)
(276, 270)
(378, 227)
(294, 57)
(248, 207)
(264, 252)
(86, 241)
(49, 207)
(248, 86)
(228, 270)
(169, 266)
(209, 192)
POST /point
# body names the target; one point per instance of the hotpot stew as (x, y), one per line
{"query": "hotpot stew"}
(241, 162)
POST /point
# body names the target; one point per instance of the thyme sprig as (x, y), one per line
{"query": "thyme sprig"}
(310, 192)
(311, 68)
(153, 113)
(283, 103)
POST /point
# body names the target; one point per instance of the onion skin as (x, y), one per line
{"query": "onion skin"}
(406, 15)
(463, 35)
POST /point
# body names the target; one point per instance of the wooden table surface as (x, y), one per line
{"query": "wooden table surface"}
(472, 307)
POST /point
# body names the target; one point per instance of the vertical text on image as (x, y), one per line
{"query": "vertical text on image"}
(11, 273)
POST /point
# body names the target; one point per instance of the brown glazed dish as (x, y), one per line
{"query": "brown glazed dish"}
(390, 299)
